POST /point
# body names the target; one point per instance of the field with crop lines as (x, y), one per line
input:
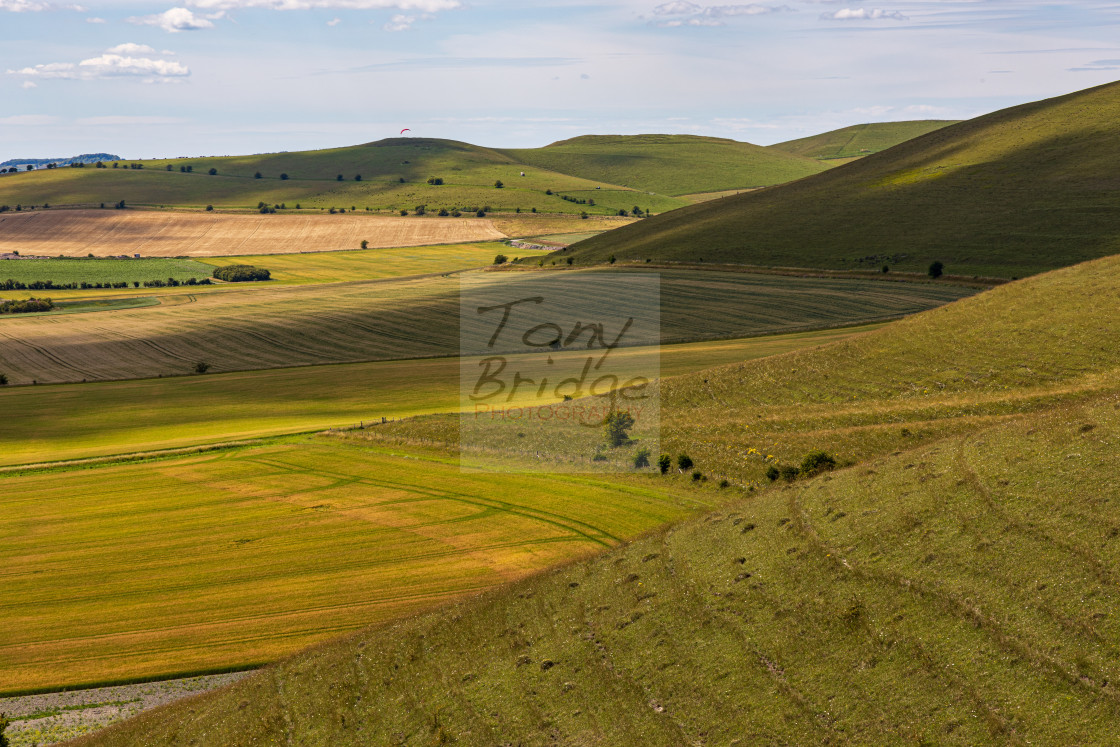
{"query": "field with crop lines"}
(274, 327)
(182, 234)
(234, 559)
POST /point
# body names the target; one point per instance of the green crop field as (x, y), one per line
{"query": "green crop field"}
(78, 421)
(860, 140)
(669, 164)
(952, 583)
(232, 559)
(100, 270)
(368, 264)
(284, 326)
(1008, 194)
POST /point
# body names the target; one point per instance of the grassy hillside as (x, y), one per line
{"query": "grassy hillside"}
(394, 175)
(608, 173)
(668, 164)
(1009, 194)
(956, 585)
(860, 140)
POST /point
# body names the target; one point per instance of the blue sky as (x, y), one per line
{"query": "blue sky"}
(147, 79)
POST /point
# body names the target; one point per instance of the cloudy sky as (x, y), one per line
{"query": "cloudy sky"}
(147, 79)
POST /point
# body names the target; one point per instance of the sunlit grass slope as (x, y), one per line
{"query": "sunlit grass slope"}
(956, 585)
(669, 164)
(1009, 194)
(860, 140)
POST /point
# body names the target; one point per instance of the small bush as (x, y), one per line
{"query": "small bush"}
(684, 462)
(816, 462)
(498, 184)
(501, 259)
(365, 244)
(435, 181)
(724, 484)
(886, 269)
(257, 175)
(201, 367)
(3, 379)
(697, 475)
(789, 473)
(664, 462)
(209, 208)
(936, 269)
(641, 459)
(773, 473)
(214, 172)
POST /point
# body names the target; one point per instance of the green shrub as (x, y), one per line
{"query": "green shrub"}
(4, 724)
(816, 462)
(501, 259)
(641, 459)
(789, 473)
(365, 244)
(936, 269)
(3, 379)
(26, 306)
(664, 462)
(684, 462)
(201, 367)
(241, 273)
(697, 475)
(773, 473)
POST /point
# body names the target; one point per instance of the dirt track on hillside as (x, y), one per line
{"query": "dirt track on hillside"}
(163, 234)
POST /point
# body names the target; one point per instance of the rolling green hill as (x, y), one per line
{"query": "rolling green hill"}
(860, 140)
(955, 585)
(669, 164)
(608, 174)
(393, 175)
(1008, 194)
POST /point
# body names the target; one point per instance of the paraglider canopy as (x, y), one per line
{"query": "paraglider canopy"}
(405, 130)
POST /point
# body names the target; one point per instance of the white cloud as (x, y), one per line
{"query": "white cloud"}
(108, 65)
(95, 20)
(23, 6)
(175, 20)
(426, 6)
(862, 14)
(710, 15)
(334, 21)
(28, 84)
(400, 22)
(129, 48)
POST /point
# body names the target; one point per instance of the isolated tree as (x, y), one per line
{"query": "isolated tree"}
(358, 177)
(338, 178)
(481, 213)
(213, 172)
(283, 177)
(190, 169)
(664, 462)
(641, 459)
(617, 426)
(498, 184)
(209, 208)
(684, 462)
(169, 167)
(404, 213)
(201, 367)
(3, 379)
(257, 175)
(501, 259)
(936, 269)
(365, 244)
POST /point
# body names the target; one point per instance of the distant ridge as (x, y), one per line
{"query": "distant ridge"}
(84, 158)
(860, 140)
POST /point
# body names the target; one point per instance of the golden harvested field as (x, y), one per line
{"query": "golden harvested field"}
(79, 421)
(167, 234)
(279, 326)
(234, 559)
(538, 224)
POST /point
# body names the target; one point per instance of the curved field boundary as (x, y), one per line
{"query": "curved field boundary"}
(165, 234)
